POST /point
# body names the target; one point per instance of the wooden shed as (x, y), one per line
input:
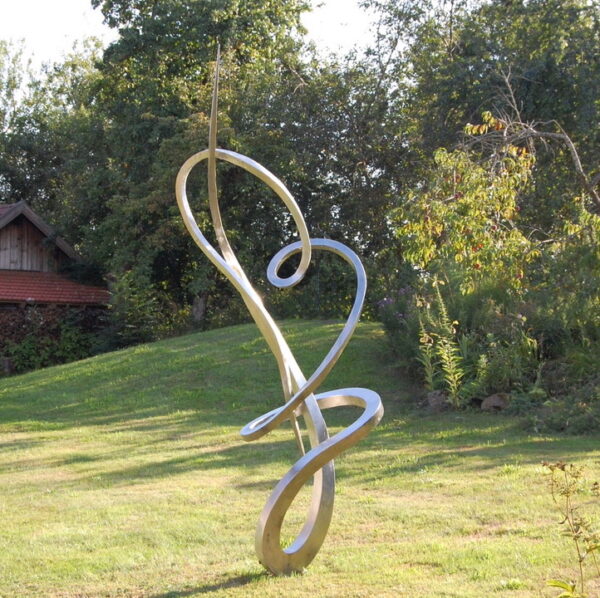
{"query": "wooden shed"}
(31, 259)
(36, 300)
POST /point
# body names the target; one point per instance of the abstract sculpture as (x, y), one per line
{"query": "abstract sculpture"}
(300, 400)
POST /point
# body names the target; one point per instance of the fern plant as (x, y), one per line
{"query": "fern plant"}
(426, 356)
(451, 364)
(439, 350)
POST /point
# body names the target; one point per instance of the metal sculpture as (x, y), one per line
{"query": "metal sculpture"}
(300, 400)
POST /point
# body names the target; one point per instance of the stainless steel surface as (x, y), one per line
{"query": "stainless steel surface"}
(298, 392)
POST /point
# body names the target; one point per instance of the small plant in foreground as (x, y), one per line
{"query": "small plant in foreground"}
(566, 482)
(439, 350)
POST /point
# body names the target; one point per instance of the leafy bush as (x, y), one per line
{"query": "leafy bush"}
(134, 313)
(493, 305)
(48, 336)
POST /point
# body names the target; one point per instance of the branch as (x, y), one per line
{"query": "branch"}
(515, 132)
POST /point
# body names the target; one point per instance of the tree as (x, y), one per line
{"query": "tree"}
(529, 62)
(154, 94)
(13, 75)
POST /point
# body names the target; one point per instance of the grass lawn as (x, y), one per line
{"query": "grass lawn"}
(124, 475)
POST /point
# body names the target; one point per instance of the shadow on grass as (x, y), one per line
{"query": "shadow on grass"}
(18, 445)
(412, 443)
(467, 442)
(421, 444)
(264, 485)
(180, 389)
(233, 582)
(233, 457)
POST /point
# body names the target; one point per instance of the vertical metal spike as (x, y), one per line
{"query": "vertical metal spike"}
(212, 134)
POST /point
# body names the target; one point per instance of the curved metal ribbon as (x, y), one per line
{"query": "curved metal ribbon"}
(298, 391)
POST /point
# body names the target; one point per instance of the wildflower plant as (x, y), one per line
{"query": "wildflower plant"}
(567, 484)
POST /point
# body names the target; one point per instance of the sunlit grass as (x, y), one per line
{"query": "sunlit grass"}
(124, 475)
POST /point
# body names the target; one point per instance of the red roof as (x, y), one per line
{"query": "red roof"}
(18, 286)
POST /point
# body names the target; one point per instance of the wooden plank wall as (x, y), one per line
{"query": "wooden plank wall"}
(22, 247)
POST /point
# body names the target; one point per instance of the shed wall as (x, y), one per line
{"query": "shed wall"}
(22, 247)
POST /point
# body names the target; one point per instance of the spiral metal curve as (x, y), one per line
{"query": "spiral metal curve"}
(300, 400)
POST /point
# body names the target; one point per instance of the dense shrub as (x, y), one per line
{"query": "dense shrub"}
(489, 304)
(138, 313)
(38, 336)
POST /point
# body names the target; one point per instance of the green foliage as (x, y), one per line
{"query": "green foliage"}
(461, 225)
(570, 589)
(154, 91)
(503, 230)
(496, 307)
(535, 61)
(103, 136)
(134, 314)
(438, 350)
(468, 259)
(96, 143)
(575, 410)
(48, 337)
(426, 358)
(13, 75)
(37, 351)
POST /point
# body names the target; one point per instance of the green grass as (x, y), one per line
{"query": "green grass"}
(124, 475)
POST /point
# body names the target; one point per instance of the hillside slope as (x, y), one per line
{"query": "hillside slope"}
(219, 373)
